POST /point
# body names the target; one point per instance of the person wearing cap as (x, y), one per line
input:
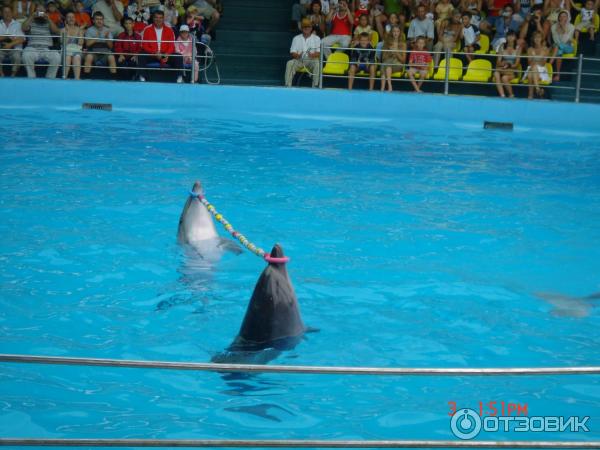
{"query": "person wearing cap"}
(207, 8)
(184, 46)
(305, 51)
(158, 45)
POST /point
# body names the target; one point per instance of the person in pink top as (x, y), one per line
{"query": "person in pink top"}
(183, 46)
(419, 62)
(341, 20)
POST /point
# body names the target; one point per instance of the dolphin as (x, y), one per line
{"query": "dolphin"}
(566, 306)
(272, 322)
(197, 229)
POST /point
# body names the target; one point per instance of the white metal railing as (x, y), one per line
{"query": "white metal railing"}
(293, 443)
(205, 59)
(447, 54)
(217, 367)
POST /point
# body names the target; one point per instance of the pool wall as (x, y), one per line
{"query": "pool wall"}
(296, 103)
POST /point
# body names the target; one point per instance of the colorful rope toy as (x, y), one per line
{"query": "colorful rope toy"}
(240, 237)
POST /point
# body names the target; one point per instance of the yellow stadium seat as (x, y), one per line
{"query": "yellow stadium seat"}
(518, 73)
(455, 73)
(550, 73)
(374, 38)
(596, 22)
(571, 55)
(398, 74)
(479, 70)
(484, 43)
(337, 64)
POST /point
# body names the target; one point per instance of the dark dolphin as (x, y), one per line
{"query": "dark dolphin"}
(272, 322)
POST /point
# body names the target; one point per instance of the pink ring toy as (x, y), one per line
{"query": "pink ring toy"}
(271, 259)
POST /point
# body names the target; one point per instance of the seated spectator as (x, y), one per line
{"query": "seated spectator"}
(360, 7)
(158, 46)
(452, 33)
(341, 21)
(299, 10)
(470, 35)
(74, 40)
(532, 23)
(22, 9)
(11, 38)
(421, 26)
(206, 8)
(419, 63)
(536, 70)
(362, 59)
(184, 47)
(563, 33)
(588, 15)
(394, 56)
(171, 13)
(328, 5)
(552, 8)
(112, 11)
(127, 45)
(377, 17)
(99, 46)
(495, 10)
(392, 20)
(473, 7)
(139, 14)
(305, 52)
(507, 65)
(443, 11)
(317, 18)
(503, 25)
(64, 6)
(39, 28)
(363, 27)
(54, 14)
(195, 23)
(82, 18)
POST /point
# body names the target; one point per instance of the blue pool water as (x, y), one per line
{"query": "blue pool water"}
(414, 243)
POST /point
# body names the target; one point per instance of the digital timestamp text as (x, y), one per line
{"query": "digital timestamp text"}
(494, 408)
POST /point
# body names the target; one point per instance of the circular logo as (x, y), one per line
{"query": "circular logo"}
(465, 424)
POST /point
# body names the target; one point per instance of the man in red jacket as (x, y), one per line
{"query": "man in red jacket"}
(158, 46)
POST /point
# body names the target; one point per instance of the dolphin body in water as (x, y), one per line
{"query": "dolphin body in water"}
(272, 322)
(197, 229)
(566, 306)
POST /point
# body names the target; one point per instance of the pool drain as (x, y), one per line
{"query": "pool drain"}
(98, 106)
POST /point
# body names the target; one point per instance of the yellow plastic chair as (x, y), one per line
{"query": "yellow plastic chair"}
(337, 64)
(571, 55)
(550, 73)
(479, 70)
(374, 38)
(518, 73)
(596, 22)
(484, 43)
(455, 73)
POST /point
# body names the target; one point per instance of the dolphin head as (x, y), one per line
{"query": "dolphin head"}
(277, 252)
(197, 188)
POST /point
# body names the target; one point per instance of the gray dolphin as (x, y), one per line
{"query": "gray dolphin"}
(272, 322)
(197, 229)
(566, 306)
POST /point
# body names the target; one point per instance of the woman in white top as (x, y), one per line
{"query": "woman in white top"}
(562, 40)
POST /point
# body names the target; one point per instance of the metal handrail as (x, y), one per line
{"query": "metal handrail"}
(294, 443)
(256, 368)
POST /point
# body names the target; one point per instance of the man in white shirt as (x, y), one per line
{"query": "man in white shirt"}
(305, 51)
(11, 40)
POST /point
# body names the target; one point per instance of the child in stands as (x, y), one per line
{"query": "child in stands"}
(183, 46)
(363, 27)
(362, 59)
(82, 18)
(419, 62)
(589, 14)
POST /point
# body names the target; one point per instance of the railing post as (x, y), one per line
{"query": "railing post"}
(321, 66)
(578, 82)
(447, 74)
(64, 54)
(194, 56)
